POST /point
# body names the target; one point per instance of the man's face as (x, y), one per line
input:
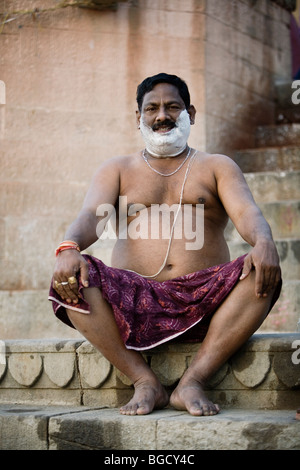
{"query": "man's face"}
(161, 108)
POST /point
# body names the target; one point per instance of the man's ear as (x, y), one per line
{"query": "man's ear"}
(192, 112)
(138, 118)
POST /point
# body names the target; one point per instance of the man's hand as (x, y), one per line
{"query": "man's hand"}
(264, 259)
(68, 264)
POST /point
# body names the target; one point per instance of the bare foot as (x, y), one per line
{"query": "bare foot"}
(191, 397)
(146, 398)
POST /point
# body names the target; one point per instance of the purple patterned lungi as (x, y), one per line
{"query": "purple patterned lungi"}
(148, 312)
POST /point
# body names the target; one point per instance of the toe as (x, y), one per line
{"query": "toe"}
(196, 409)
(128, 410)
(213, 409)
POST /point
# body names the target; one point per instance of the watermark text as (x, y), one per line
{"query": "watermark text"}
(296, 354)
(296, 93)
(158, 221)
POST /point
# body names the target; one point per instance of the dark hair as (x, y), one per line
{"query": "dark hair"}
(149, 83)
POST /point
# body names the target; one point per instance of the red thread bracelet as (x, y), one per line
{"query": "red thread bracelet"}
(67, 245)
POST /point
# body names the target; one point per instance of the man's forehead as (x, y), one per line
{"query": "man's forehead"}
(163, 91)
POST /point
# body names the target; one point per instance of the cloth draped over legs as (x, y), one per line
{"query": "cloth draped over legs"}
(149, 312)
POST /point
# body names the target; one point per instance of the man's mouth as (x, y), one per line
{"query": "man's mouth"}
(164, 127)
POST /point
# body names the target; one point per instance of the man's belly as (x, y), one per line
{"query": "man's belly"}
(143, 242)
(147, 257)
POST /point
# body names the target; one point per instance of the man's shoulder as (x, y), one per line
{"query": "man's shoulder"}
(214, 157)
(215, 160)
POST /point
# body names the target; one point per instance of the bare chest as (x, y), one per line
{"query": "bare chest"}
(149, 189)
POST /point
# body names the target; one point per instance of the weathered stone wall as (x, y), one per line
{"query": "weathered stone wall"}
(71, 77)
(247, 51)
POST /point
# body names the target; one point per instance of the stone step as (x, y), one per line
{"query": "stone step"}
(288, 114)
(34, 427)
(278, 135)
(283, 217)
(273, 158)
(273, 186)
(64, 395)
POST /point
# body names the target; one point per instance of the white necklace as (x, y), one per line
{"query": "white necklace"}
(165, 174)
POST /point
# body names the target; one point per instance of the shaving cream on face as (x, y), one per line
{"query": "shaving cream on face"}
(169, 144)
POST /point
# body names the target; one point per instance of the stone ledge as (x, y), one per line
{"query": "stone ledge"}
(278, 135)
(283, 217)
(263, 374)
(272, 158)
(83, 428)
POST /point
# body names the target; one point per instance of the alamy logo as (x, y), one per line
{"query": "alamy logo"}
(296, 93)
(158, 221)
(296, 354)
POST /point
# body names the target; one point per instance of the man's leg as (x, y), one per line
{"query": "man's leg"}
(239, 316)
(100, 329)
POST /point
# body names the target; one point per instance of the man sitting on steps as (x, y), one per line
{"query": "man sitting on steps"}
(162, 288)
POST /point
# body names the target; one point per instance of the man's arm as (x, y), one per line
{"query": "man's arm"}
(248, 219)
(104, 189)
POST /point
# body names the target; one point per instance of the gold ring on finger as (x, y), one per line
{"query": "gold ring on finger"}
(72, 280)
(57, 284)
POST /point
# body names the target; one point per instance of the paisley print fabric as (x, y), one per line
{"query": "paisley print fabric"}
(148, 312)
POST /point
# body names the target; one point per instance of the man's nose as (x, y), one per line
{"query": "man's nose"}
(162, 114)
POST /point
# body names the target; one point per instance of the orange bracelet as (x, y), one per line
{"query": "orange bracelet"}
(67, 245)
